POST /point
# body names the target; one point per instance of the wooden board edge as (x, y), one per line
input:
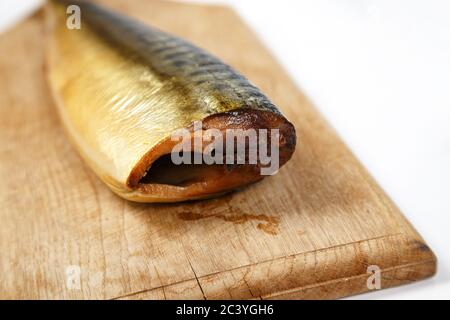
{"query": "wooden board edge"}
(184, 290)
(401, 259)
(344, 287)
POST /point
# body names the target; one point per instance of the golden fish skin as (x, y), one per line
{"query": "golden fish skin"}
(122, 88)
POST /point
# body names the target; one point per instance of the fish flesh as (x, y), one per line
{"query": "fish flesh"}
(122, 88)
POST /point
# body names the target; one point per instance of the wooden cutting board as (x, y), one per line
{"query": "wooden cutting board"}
(311, 231)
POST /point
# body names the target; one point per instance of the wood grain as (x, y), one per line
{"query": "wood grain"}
(308, 232)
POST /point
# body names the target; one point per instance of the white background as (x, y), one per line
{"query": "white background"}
(379, 71)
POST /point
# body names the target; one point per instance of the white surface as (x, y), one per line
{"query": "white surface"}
(380, 73)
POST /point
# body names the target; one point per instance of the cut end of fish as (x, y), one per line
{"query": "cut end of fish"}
(157, 179)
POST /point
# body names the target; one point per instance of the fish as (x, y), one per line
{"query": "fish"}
(123, 88)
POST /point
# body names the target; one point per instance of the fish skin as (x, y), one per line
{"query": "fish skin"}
(122, 87)
(200, 73)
